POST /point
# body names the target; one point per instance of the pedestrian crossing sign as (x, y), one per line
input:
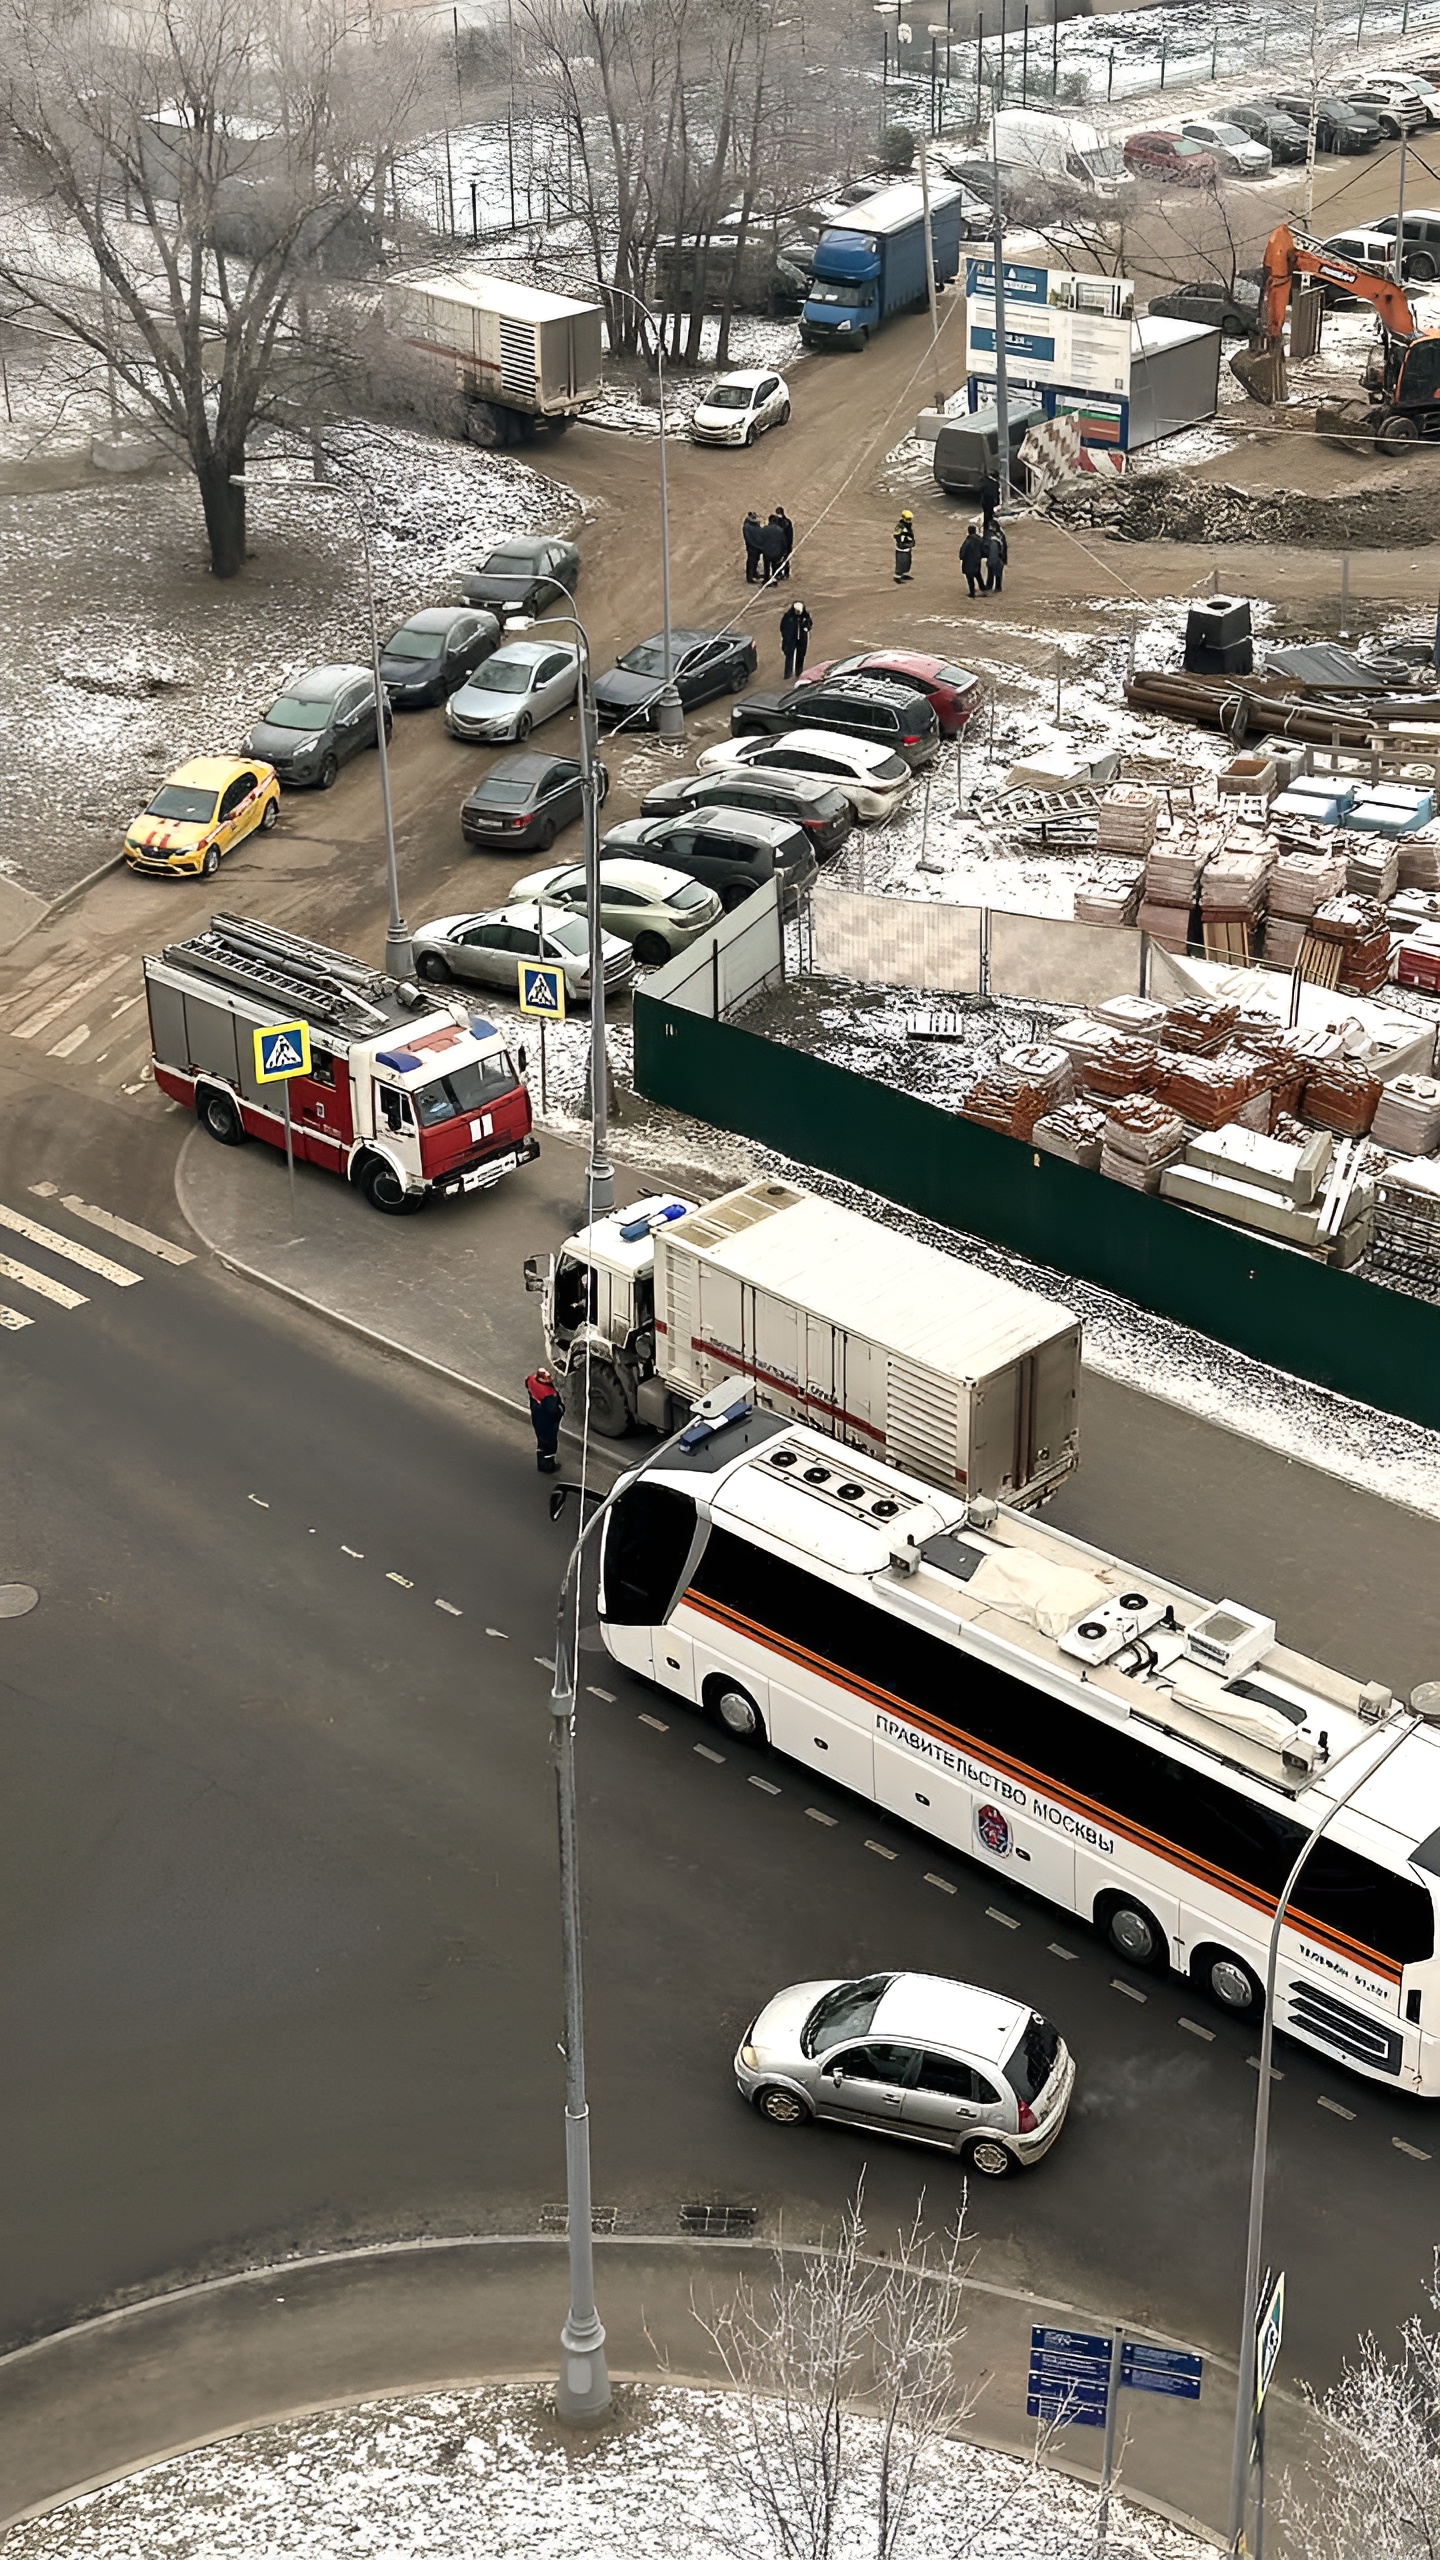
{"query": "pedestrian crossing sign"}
(282, 1052)
(542, 989)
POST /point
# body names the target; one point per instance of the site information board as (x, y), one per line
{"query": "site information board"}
(1062, 331)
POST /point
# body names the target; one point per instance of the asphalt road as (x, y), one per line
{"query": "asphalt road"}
(277, 1872)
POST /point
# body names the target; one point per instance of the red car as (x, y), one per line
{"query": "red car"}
(953, 690)
(1173, 156)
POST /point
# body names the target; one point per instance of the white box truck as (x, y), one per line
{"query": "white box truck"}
(1065, 149)
(521, 359)
(823, 1316)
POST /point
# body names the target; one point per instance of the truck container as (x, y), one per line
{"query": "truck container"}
(872, 263)
(519, 358)
(824, 1316)
(405, 1095)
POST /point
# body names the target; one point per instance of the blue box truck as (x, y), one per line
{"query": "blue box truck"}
(872, 263)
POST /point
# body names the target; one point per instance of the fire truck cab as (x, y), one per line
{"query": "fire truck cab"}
(406, 1095)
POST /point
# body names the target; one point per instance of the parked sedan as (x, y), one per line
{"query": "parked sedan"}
(434, 652)
(1238, 152)
(520, 685)
(523, 575)
(953, 692)
(739, 407)
(486, 950)
(911, 2054)
(703, 664)
(656, 910)
(522, 803)
(819, 807)
(1169, 156)
(873, 781)
(317, 724)
(1285, 137)
(1234, 310)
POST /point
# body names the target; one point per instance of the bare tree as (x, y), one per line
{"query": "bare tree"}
(195, 175)
(1374, 2492)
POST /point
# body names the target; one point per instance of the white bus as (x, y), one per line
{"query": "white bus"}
(1135, 1754)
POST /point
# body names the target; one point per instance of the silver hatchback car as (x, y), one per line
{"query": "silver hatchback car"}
(914, 2055)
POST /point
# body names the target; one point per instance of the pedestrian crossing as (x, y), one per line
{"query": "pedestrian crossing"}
(46, 1292)
(89, 1018)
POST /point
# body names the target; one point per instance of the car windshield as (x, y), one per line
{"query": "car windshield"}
(504, 795)
(415, 644)
(692, 895)
(646, 660)
(946, 674)
(1033, 2059)
(848, 2010)
(289, 713)
(501, 675)
(853, 296)
(570, 932)
(468, 1088)
(175, 801)
(728, 395)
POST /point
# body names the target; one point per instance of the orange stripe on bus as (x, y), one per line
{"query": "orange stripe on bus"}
(1153, 1841)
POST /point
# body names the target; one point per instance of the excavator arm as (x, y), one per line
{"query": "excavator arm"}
(1289, 254)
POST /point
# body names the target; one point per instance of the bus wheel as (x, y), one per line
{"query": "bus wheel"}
(988, 2159)
(1132, 1933)
(735, 1711)
(781, 2106)
(1229, 1983)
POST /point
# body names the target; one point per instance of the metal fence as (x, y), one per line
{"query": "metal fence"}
(958, 950)
(744, 955)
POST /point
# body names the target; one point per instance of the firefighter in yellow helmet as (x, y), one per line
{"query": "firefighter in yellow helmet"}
(904, 546)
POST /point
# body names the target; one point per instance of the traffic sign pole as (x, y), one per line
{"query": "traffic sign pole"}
(289, 1156)
(1107, 2455)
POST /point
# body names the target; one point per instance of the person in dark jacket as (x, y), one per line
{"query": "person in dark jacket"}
(750, 532)
(989, 501)
(997, 552)
(972, 557)
(773, 547)
(795, 628)
(546, 1415)
(904, 538)
(778, 516)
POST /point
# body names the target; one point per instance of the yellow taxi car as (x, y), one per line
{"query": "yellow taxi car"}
(206, 807)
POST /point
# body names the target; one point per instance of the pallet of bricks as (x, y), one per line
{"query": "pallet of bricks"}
(1172, 888)
(1406, 1241)
(1233, 891)
(1304, 875)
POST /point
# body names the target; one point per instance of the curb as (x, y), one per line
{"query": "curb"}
(67, 898)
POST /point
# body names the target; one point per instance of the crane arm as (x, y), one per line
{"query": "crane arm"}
(1289, 254)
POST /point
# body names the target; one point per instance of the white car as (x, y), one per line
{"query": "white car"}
(873, 780)
(739, 407)
(1408, 84)
(520, 685)
(656, 910)
(1236, 150)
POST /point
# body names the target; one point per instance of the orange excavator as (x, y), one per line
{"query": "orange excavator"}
(1402, 377)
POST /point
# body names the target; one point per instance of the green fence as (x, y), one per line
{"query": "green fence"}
(1331, 1326)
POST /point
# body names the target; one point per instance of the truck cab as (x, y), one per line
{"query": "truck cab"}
(598, 1310)
(844, 296)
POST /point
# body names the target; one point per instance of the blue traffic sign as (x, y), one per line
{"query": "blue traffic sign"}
(1069, 2378)
(1067, 2413)
(1071, 2342)
(1171, 2370)
(281, 1052)
(542, 989)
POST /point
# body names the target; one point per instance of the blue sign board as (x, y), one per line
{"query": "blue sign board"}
(1025, 345)
(1069, 2377)
(1022, 284)
(542, 989)
(1171, 2370)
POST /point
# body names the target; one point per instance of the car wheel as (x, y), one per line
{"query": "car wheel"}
(1134, 1935)
(430, 966)
(780, 2106)
(650, 951)
(988, 2158)
(271, 817)
(740, 678)
(734, 1710)
(544, 835)
(523, 727)
(217, 1113)
(733, 895)
(784, 418)
(329, 773)
(211, 863)
(386, 1192)
(751, 433)
(1422, 267)
(1228, 1981)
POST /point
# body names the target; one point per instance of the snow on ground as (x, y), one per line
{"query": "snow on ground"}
(123, 656)
(632, 405)
(458, 2474)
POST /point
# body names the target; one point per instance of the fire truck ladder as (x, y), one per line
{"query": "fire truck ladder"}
(298, 976)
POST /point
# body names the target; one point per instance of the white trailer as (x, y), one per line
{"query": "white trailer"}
(520, 358)
(823, 1316)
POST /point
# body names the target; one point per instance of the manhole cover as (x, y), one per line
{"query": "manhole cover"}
(603, 2217)
(718, 2221)
(17, 1599)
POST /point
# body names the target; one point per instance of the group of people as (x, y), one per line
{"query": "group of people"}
(983, 553)
(767, 546)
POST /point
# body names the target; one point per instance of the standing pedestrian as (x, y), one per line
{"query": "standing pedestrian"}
(795, 629)
(772, 549)
(997, 552)
(546, 1415)
(989, 501)
(904, 546)
(778, 516)
(972, 555)
(750, 533)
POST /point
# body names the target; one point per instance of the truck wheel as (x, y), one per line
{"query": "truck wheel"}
(483, 424)
(385, 1191)
(217, 1113)
(1422, 267)
(605, 1399)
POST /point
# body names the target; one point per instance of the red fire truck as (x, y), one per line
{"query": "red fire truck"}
(406, 1095)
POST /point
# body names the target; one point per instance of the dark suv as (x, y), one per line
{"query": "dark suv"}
(1285, 137)
(733, 851)
(1338, 127)
(1420, 255)
(868, 707)
(825, 814)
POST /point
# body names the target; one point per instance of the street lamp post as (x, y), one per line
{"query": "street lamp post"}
(399, 957)
(669, 710)
(600, 1174)
(1425, 1709)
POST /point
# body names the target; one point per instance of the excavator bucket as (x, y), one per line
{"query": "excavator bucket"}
(1260, 371)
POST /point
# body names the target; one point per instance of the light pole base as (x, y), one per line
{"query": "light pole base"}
(582, 2387)
(399, 956)
(670, 718)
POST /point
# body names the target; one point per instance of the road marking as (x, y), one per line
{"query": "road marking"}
(449, 1608)
(12, 1321)
(544, 1661)
(880, 1849)
(50, 1242)
(255, 1498)
(63, 1004)
(1333, 2107)
(656, 1723)
(357, 1552)
(607, 1694)
(1253, 2060)
(160, 1246)
(1193, 2027)
(767, 1786)
(1067, 1955)
(125, 1005)
(1003, 1917)
(1128, 1988)
(942, 1884)
(498, 1631)
(40, 1283)
(72, 1041)
(400, 1578)
(705, 1753)
(44, 1190)
(1408, 2148)
(814, 1814)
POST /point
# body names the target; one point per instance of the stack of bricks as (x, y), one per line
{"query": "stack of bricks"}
(1019, 1089)
(1076, 1134)
(1407, 1116)
(1420, 859)
(1361, 930)
(1141, 1138)
(1126, 1066)
(1299, 883)
(1127, 818)
(1232, 903)
(1172, 879)
(1372, 866)
(1199, 1026)
(1343, 1097)
(1208, 1091)
(1114, 900)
